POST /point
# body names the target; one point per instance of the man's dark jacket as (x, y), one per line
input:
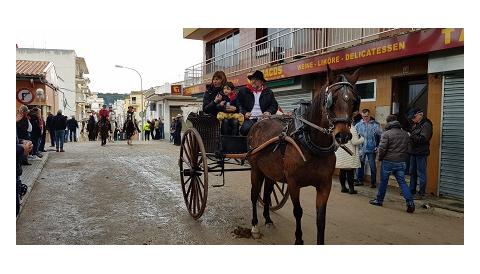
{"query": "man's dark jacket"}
(246, 100)
(393, 143)
(420, 137)
(72, 124)
(22, 129)
(60, 122)
(49, 123)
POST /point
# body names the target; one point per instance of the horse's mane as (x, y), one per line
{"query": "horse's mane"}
(316, 107)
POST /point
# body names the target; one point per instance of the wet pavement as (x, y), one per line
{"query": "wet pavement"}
(120, 194)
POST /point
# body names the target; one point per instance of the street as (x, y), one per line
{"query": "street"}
(125, 195)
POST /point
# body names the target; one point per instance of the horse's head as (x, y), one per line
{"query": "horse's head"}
(341, 101)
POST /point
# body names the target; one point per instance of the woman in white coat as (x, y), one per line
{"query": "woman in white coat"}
(348, 163)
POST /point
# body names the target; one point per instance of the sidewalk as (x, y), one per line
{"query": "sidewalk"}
(393, 194)
(30, 175)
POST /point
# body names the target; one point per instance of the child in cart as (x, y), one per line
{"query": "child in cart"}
(229, 116)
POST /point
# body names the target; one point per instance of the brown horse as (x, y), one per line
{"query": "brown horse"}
(331, 112)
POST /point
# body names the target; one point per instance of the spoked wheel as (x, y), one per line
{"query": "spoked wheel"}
(278, 197)
(194, 172)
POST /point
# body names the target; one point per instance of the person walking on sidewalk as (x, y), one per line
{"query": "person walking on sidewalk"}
(348, 163)
(60, 123)
(371, 131)
(420, 136)
(393, 153)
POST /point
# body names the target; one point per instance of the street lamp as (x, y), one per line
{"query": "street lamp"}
(141, 90)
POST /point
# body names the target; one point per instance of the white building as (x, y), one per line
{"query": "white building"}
(70, 70)
(95, 102)
(119, 108)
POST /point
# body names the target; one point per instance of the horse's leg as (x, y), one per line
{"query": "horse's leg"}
(256, 180)
(323, 191)
(267, 192)
(297, 212)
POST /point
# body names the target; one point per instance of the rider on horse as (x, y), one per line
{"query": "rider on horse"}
(103, 114)
(130, 124)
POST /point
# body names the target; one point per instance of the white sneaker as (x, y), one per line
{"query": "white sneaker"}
(35, 157)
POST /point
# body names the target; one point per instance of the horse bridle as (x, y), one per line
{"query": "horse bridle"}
(329, 102)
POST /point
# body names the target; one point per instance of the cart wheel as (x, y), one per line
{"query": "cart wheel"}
(194, 172)
(278, 197)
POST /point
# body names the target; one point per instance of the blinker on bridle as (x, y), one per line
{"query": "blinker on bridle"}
(329, 100)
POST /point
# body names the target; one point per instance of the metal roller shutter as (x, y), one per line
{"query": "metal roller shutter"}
(451, 153)
(288, 100)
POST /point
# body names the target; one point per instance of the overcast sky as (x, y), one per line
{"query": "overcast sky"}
(160, 55)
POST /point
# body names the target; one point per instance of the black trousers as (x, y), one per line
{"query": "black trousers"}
(346, 175)
(52, 137)
(247, 125)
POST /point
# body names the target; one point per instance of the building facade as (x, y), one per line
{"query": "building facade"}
(166, 102)
(401, 69)
(37, 86)
(69, 68)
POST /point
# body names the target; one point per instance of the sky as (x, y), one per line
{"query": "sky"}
(160, 54)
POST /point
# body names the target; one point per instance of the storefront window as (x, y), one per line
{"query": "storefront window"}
(367, 89)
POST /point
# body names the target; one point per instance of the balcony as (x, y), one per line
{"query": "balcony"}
(80, 98)
(284, 46)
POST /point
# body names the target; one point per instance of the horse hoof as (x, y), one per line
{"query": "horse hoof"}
(269, 226)
(255, 232)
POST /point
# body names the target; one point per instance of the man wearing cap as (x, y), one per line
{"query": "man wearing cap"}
(420, 136)
(256, 100)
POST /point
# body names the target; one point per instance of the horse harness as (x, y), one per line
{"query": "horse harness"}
(304, 127)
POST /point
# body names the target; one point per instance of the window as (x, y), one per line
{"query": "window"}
(367, 90)
(220, 53)
(134, 100)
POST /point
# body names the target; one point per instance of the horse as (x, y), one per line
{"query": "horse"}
(327, 124)
(103, 129)
(112, 130)
(129, 128)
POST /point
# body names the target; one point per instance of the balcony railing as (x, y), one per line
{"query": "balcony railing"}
(284, 46)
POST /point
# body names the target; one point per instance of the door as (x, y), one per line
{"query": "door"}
(407, 93)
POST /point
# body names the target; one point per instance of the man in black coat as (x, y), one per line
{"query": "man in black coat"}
(72, 126)
(256, 100)
(49, 126)
(420, 136)
(59, 124)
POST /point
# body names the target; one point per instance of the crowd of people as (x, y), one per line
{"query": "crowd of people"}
(400, 149)
(31, 131)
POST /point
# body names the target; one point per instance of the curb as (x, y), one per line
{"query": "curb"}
(37, 169)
